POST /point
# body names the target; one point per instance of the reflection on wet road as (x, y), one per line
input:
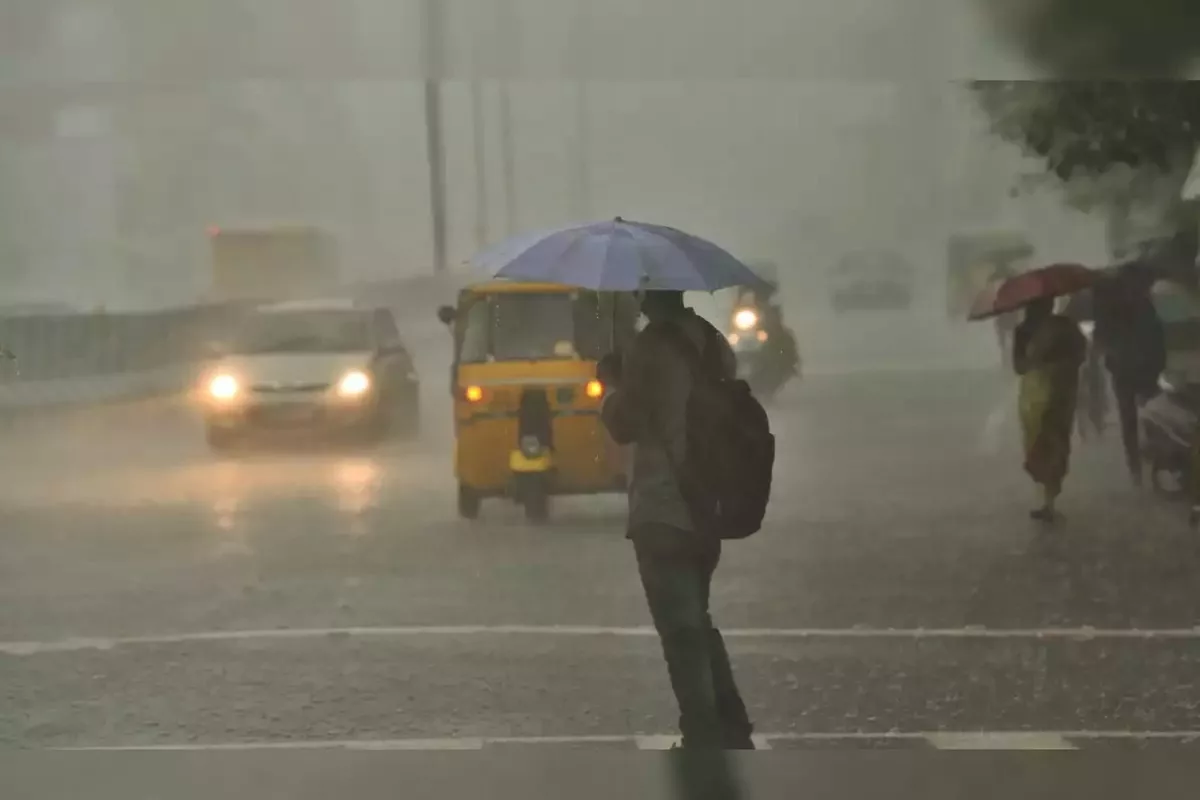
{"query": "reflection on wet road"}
(888, 515)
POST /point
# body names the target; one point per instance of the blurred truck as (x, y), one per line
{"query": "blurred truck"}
(278, 262)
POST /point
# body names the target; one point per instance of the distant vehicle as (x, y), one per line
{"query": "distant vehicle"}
(272, 263)
(872, 281)
(314, 366)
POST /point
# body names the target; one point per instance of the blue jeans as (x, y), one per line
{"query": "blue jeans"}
(677, 582)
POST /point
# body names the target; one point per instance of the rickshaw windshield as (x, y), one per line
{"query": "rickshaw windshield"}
(532, 326)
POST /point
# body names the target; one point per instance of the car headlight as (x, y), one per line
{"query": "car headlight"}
(223, 387)
(745, 319)
(354, 384)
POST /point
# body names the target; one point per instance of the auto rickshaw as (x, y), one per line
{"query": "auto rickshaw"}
(526, 399)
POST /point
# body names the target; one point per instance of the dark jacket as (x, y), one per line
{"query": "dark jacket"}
(648, 410)
(1131, 335)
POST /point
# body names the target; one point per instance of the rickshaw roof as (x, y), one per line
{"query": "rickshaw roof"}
(503, 287)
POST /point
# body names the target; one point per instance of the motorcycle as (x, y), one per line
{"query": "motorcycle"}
(1168, 430)
(767, 356)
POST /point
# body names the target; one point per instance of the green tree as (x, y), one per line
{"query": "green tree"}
(1111, 145)
(1101, 38)
(1084, 129)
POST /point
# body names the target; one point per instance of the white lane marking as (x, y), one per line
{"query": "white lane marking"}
(945, 740)
(1083, 633)
(663, 741)
(1001, 741)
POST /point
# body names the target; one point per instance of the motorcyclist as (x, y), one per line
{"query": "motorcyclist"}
(771, 321)
(765, 302)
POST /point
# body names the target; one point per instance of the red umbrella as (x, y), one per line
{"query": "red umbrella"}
(1019, 291)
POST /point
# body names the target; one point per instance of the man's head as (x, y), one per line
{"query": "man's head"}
(1040, 309)
(659, 304)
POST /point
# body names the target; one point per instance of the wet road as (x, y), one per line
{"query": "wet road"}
(151, 594)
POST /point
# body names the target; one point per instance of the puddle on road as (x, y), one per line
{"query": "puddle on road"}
(351, 485)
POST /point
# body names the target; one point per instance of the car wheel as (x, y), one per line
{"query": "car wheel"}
(468, 502)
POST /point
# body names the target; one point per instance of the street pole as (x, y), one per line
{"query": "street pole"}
(509, 36)
(432, 41)
(583, 178)
(479, 149)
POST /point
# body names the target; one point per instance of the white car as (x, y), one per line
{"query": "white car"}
(311, 367)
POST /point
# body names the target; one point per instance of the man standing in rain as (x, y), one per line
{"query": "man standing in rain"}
(675, 561)
(1133, 340)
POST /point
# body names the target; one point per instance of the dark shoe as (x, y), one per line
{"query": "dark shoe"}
(1042, 515)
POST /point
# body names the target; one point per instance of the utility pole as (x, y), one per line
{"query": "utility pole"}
(477, 142)
(510, 36)
(583, 177)
(433, 40)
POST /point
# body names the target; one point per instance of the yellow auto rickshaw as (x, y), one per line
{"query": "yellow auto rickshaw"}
(526, 399)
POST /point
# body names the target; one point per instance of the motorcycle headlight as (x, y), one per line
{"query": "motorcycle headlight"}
(354, 384)
(745, 319)
(223, 387)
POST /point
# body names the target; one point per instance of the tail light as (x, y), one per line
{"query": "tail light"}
(595, 389)
(473, 394)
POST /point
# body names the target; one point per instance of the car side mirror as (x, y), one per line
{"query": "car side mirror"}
(447, 315)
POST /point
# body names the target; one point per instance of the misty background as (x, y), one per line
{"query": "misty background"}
(786, 131)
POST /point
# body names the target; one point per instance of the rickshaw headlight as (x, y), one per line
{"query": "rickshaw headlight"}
(531, 446)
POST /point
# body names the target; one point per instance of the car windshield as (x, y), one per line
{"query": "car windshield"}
(304, 332)
(511, 326)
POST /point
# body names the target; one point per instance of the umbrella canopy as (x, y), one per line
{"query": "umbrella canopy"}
(1019, 291)
(618, 256)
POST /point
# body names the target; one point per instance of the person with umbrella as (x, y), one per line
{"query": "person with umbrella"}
(1048, 352)
(1133, 340)
(649, 387)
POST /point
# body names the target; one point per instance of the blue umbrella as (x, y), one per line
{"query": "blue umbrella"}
(618, 256)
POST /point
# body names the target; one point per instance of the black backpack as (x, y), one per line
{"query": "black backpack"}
(726, 477)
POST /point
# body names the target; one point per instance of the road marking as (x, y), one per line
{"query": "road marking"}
(1084, 633)
(942, 740)
(1001, 741)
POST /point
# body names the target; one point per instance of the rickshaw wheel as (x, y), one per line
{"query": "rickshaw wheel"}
(468, 502)
(537, 506)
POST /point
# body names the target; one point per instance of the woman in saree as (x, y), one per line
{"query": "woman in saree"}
(1048, 351)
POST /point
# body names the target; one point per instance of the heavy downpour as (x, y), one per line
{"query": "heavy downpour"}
(423, 376)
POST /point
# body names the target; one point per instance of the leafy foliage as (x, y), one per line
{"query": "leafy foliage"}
(1086, 128)
(1101, 38)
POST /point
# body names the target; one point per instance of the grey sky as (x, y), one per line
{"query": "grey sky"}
(785, 130)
